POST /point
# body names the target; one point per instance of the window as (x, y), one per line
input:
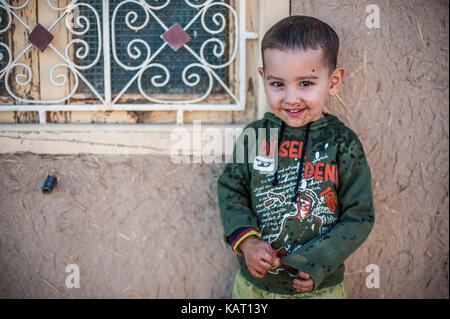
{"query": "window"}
(122, 55)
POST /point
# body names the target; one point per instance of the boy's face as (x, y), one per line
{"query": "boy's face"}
(297, 84)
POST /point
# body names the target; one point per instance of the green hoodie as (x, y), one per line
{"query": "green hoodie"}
(315, 230)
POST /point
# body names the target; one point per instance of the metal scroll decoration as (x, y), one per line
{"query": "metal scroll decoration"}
(213, 22)
(58, 77)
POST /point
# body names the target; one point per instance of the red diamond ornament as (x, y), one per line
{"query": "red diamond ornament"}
(176, 37)
(40, 37)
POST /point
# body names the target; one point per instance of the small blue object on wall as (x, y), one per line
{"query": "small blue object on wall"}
(50, 182)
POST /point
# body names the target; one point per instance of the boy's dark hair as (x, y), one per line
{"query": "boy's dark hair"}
(303, 32)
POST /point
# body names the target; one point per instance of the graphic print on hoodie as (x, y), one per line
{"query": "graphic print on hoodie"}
(287, 224)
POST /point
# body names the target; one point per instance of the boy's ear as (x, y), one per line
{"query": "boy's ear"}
(336, 80)
(261, 72)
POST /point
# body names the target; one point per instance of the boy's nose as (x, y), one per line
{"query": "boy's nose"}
(291, 97)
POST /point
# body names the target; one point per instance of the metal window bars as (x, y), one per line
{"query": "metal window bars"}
(138, 49)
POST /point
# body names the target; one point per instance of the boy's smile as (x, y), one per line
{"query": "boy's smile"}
(297, 84)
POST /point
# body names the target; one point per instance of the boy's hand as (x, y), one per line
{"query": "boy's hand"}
(259, 256)
(305, 283)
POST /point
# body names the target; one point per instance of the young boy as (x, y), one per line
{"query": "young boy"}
(305, 204)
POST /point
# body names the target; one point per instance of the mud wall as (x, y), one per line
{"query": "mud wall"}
(136, 226)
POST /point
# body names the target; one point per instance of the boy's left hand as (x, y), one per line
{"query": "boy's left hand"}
(305, 283)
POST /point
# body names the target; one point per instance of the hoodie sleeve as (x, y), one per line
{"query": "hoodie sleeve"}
(322, 256)
(233, 188)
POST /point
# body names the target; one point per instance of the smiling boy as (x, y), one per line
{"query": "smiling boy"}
(295, 246)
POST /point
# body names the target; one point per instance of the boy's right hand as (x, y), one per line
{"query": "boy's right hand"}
(259, 256)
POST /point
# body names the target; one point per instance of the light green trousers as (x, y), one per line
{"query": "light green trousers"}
(244, 289)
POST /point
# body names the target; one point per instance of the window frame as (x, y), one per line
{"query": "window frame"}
(83, 102)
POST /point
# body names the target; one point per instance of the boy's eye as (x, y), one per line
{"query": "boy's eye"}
(305, 83)
(277, 84)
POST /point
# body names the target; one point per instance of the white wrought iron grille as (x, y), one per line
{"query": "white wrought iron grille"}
(168, 54)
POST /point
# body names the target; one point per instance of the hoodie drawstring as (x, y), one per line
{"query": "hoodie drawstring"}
(302, 160)
(275, 177)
